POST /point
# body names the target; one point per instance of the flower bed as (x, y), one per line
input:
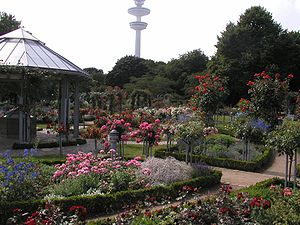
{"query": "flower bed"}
(110, 203)
(259, 204)
(100, 184)
(255, 165)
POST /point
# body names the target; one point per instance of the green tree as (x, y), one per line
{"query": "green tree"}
(156, 85)
(8, 23)
(125, 68)
(246, 48)
(287, 54)
(181, 69)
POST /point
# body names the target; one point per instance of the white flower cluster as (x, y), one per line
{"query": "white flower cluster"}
(166, 171)
(210, 130)
(189, 131)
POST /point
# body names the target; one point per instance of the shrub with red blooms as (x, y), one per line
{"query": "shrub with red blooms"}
(209, 93)
(62, 129)
(80, 211)
(268, 93)
(50, 215)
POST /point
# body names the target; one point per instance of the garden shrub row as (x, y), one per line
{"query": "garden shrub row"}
(261, 189)
(252, 166)
(110, 203)
(49, 144)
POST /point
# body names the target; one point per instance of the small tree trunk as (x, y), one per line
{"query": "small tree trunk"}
(290, 167)
(191, 153)
(150, 148)
(147, 149)
(248, 150)
(168, 141)
(286, 170)
(60, 145)
(95, 151)
(187, 153)
(295, 169)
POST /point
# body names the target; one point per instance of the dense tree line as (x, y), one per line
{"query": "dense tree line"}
(253, 44)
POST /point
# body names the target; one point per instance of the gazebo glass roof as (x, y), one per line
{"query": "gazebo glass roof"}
(21, 48)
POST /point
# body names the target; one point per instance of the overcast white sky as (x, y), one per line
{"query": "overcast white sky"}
(96, 33)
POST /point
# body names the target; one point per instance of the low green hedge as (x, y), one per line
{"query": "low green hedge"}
(110, 203)
(255, 165)
(50, 144)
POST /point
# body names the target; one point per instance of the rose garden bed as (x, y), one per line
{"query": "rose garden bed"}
(101, 185)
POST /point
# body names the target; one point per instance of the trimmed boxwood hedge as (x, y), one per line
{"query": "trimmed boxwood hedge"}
(110, 203)
(252, 166)
(50, 144)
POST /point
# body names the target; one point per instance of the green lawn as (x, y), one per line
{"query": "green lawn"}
(131, 150)
(41, 126)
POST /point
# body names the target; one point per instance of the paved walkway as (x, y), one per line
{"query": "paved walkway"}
(240, 179)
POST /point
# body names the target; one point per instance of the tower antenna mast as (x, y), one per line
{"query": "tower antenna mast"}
(138, 25)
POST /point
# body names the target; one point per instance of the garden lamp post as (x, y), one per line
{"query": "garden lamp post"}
(113, 139)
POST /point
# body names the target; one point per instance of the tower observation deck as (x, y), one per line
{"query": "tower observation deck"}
(138, 25)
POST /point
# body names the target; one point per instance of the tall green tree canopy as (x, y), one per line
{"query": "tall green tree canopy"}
(126, 67)
(250, 46)
(8, 23)
(156, 85)
(179, 70)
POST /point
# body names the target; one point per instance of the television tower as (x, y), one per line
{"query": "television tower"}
(138, 25)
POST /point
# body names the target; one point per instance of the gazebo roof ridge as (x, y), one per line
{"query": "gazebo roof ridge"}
(20, 48)
(20, 33)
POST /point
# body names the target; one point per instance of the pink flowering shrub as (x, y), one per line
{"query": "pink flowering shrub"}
(84, 173)
(148, 132)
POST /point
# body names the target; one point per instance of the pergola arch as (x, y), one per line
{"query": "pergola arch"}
(22, 55)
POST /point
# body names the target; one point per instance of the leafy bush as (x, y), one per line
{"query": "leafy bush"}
(73, 187)
(221, 139)
(227, 129)
(284, 210)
